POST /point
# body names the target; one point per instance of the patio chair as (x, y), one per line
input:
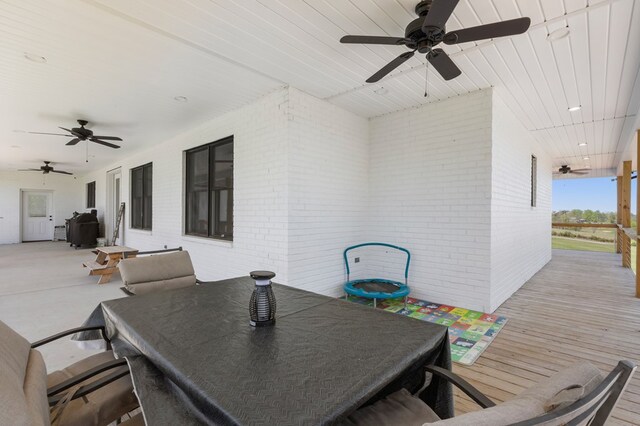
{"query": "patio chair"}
(577, 395)
(93, 391)
(157, 270)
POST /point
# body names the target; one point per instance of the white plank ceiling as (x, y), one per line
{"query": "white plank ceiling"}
(120, 63)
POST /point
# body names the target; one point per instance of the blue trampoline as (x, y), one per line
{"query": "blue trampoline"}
(377, 288)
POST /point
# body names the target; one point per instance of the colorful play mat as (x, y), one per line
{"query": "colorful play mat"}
(470, 332)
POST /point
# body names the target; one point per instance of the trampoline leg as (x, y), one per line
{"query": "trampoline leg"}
(405, 302)
(374, 303)
(346, 297)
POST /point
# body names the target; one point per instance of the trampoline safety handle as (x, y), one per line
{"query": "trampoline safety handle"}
(406, 268)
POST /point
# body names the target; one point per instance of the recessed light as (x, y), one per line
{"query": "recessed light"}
(181, 99)
(582, 144)
(558, 34)
(35, 58)
(575, 108)
(381, 91)
(586, 158)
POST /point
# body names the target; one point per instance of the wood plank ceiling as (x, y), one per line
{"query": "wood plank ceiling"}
(221, 54)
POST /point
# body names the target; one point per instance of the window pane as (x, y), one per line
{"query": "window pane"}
(209, 190)
(37, 205)
(136, 198)
(223, 167)
(197, 189)
(147, 205)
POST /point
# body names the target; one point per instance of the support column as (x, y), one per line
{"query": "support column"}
(637, 213)
(626, 213)
(619, 215)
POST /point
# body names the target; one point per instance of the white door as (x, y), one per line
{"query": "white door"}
(37, 216)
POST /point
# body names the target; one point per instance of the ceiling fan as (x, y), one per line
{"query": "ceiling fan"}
(428, 30)
(81, 134)
(566, 169)
(46, 169)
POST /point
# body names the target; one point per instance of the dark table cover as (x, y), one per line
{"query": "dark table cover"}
(203, 364)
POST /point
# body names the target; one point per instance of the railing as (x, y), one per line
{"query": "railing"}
(623, 237)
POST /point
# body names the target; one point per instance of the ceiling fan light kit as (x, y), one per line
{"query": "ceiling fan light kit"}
(424, 33)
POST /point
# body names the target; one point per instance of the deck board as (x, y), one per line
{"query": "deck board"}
(581, 305)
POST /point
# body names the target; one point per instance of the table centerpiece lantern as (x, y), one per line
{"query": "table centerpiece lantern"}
(262, 308)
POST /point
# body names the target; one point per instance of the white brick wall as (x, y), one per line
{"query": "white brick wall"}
(311, 179)
(328, 190)
(68, 196)
(430, 191)
(260, 192)
(520, 234)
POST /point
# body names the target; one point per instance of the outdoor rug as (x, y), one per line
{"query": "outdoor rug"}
(470, 332)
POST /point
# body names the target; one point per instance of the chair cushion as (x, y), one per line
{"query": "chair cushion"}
(399, 408)
(17, 379)
(158, 272)
(537, 400)
(35, 387)
(101, 407)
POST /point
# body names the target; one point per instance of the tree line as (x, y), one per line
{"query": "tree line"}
(585, 216)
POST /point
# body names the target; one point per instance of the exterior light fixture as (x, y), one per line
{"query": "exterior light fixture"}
(575, 108)
(582, 144)
(586, 158)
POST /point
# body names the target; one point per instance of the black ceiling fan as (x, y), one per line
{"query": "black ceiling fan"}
(428, 30)
(565, 169)
(81, 134)
(46, 169)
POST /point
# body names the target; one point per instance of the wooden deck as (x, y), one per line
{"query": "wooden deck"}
(580, 306)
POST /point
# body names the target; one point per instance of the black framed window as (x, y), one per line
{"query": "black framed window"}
(141, 196)
(534, 180)
(209, 190)
(91, 195)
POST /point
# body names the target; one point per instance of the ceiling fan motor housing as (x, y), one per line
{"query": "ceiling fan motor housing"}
(421, 40)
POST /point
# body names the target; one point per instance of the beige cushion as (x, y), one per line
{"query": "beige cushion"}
(35, 387)
(537, 400)
(101, 407)
(142, 275)
(399, 408)
(16, 382)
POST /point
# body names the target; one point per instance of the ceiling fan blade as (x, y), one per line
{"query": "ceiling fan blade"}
(107, 138)
(73, 141)
(110, 145)
(390, 67)
(42, 133)
(482, 32)
(443, 64)
(358, 39)
(60, 171)
(439, 14)
(29, 170)
(575, 172)
(580, 170)
(66, 130)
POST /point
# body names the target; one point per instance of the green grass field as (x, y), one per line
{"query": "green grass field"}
(576, 244)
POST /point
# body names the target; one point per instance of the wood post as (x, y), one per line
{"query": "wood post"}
(619, 215)
(637, 213)
(626, 213)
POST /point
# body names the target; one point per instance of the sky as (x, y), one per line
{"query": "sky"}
(592, 193)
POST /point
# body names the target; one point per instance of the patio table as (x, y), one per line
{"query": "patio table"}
(195, 359)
